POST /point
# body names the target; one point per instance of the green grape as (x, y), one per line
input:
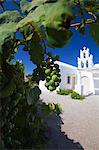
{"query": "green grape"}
(48, 78)
(51, 88)
(58, 109)
(47, 84)
(52, 72)
(55, 78)
(48, 71)
(51, 82)
(51, 107)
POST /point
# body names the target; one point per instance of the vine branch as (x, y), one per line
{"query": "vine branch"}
(87, 21)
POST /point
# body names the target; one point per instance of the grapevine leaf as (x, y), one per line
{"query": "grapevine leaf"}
(36, 14)
(33, 95)
(91, 6)
(17, 97)
(36, 53)
(7, 31)
(24, 4)
(10, 16)
(58, 38)
(36, 50)
(54, 19)
(8, 89)
(35, 4)
(8, 22)
(54, 23)
(31, 6)
(41, 16)
(45, 109)
(25, 25)
(20, 120)
(94, 32)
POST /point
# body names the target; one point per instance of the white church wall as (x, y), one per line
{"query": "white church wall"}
(96, 80)
(96, 75)
(86, 75)
(96, 92)
(78, 83)
(87, 84)
(65, 72)
(85, 61)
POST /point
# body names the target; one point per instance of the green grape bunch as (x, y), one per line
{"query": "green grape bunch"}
(52, 72)
(38, 74)
(48, 71)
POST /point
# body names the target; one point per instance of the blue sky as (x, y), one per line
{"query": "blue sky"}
(68, 54)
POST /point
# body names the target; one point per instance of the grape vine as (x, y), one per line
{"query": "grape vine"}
(40, 24)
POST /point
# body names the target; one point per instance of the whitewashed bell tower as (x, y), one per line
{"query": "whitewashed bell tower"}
(85, 61)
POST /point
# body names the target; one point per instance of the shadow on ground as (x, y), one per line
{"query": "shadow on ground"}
(56, 139)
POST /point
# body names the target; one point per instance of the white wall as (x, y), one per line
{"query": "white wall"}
(96, 80)
(86, 82)
(65, 72)
(78, 82)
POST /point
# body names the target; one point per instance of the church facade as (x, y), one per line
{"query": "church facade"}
(84, 79)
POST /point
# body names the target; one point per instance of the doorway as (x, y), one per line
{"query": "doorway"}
(85, 85)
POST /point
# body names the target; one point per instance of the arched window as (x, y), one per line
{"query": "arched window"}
(82, 65)
(87, 63)
(84, 55)
(68, 80)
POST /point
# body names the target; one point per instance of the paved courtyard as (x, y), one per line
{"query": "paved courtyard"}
(80, 121)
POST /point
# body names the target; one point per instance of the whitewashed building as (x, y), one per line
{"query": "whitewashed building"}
(83, 79)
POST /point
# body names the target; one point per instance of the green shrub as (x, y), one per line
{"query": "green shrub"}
(64, 92)
(75, 95)
(70, 91)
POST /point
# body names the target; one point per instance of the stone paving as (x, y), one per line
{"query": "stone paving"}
(80, 120)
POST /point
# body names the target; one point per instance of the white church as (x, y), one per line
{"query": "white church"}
(84, 79)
